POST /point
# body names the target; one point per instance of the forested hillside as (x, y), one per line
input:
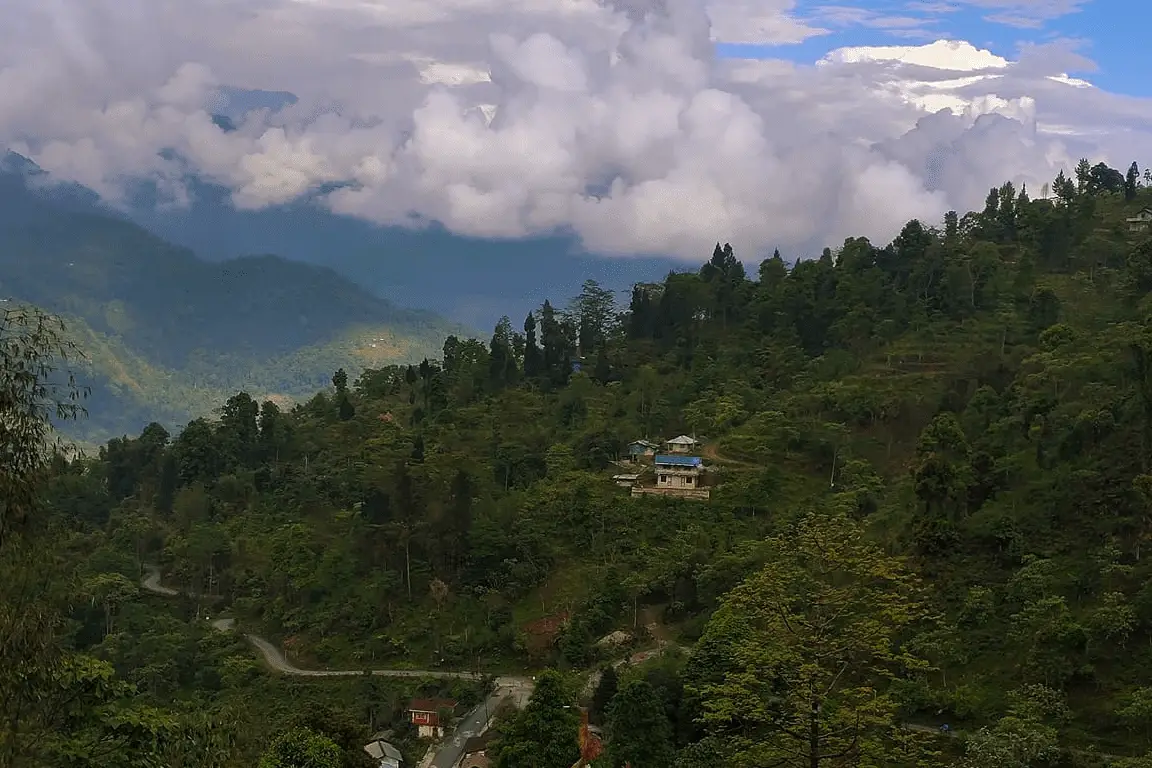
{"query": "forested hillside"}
(169, 336)
(929, 468)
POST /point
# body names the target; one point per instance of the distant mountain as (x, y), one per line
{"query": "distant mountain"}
(168, 334)
(471, 280)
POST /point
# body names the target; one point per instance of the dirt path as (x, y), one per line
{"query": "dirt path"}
(711, 451)
(152, 583)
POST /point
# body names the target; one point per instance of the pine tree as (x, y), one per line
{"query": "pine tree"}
(346, 409)
(594, 315)
(532, 361)
(1083, 175)
(951, 226)
(501, 356)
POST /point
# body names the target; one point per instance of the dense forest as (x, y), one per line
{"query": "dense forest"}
(930, 491)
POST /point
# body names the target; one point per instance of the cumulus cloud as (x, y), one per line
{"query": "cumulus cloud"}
(611, 119)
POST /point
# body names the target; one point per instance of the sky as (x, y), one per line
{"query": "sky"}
(640, 127)
(1102, 29)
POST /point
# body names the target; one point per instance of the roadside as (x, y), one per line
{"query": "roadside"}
(444, 754)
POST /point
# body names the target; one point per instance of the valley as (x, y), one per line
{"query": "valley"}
(168, 336)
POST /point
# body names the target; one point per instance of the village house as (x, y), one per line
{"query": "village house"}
(476, 753)
(426, 716)
(1141, 222)
(681, 476)
(383, 752)
(625, 480)
(681, 444)
(640, 449)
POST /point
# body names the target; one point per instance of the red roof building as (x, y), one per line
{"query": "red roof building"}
(425, 714)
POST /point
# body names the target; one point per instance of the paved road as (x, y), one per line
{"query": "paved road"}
(473, 724)
(518, 688)
(275, 658)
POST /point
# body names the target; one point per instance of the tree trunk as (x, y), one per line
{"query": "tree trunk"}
(408, 564)
(814, 735)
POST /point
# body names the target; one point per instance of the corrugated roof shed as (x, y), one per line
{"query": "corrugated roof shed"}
(380, 749)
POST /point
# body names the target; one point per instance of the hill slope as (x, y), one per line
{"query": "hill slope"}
(168, 334)
(929, 468)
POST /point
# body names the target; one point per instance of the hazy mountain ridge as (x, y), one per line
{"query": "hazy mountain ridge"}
(168, 333)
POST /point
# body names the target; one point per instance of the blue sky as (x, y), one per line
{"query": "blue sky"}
(1107, 31)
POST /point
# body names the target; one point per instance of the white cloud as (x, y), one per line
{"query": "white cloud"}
(525, 116)
(762, 22)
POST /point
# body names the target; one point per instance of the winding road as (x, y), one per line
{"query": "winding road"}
(518, 688)
(276, 659)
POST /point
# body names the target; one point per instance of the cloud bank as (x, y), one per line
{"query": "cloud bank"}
(612, 120)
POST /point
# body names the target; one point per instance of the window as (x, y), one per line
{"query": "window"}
(688, 480)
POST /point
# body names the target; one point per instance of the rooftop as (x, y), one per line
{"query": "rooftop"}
(477, 743)
(431, 705)
(680, 461)
(379, 749)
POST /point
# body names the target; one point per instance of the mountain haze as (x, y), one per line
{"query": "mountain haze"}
(168, 333)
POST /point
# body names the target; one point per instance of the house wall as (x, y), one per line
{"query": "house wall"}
(677, 480)
(700, 494)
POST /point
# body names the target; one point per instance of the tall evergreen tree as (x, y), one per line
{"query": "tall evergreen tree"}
(345, 409)
(556, 346)
(1083, 175)
(501, 356)
(533, 363)
(594, 314)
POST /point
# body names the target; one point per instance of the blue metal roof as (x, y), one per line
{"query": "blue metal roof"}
(680, 461)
